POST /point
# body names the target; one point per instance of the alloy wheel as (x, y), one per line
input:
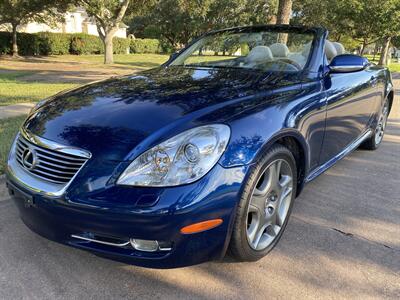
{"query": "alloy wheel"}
(269, 204)
(380, 129)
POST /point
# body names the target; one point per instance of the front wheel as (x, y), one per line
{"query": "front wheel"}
(376, 138)
(265, 205)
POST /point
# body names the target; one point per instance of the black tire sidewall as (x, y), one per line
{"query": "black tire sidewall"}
(370, 143)
(241, 248)
(386, 102)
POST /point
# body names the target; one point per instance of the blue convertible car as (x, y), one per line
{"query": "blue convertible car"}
(176, 165)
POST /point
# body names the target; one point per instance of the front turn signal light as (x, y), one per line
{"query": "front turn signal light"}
(201, 226)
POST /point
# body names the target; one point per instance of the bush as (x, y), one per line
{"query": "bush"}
(121, 45)
(82, 43)
(5, 43)
(53, 43)
(43, 43)
(47, 43)
(28, 44)
(145, 46)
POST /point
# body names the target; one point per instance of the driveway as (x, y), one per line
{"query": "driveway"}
(342, 241)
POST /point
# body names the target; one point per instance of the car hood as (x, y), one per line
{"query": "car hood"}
(112, 117)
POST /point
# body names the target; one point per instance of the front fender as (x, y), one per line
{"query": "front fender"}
(247, 150)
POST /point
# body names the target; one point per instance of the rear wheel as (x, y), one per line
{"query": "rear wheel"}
(265, 205)
(376, 138)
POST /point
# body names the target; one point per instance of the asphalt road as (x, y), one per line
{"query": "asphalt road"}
(342, 241)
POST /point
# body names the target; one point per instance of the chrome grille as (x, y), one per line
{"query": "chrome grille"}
(47, 164)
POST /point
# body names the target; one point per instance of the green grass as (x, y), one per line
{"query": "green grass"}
(139, 61)
(394, 66)
(14, 90)
(8, 130)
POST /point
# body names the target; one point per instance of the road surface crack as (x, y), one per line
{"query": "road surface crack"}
(348, 234)
(352, 235)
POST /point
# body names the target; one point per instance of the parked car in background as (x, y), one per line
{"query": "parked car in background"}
(172, 166)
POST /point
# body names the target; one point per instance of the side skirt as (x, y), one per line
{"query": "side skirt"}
(321, 169)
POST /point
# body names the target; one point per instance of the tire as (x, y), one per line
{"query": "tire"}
(376, 138)
(249, 240)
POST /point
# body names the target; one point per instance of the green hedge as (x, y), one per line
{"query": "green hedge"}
(86, 44)
(28, 44)
(5, 43)
(121, 46)
(145, 46)
(53, 43)
(47, 43)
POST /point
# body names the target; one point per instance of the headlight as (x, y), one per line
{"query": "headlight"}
(182, 159)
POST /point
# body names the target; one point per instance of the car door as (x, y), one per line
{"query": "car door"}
(351, 98)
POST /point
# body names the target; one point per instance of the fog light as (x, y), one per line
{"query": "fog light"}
(144, 245)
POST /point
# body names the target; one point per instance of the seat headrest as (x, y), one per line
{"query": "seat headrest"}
(279, 50)
(330, 50)
(259, 54)
(339, 48)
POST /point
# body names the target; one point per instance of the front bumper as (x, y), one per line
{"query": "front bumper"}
(214, 196)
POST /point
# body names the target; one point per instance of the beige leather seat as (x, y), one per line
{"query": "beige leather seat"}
(258, 55)
(330, 50)
(301, 57)
(279, 50)
(339, 48)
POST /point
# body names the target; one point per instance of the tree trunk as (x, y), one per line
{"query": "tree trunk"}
(14, 40)
(272, 20)
(383, 60)
(375, 50)
(108, 50)
(284, 11)
(107, 31)
(364, 45)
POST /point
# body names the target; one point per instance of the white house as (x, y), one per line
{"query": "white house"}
(76, 21)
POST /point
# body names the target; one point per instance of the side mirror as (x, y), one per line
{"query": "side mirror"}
(346, 63)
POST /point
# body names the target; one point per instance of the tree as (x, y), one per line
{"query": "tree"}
(388, 26)
(18, 12)
(330, 14)
(108, 15)
(176, 22)
(283, 17)
(284, 11)
(353, 22)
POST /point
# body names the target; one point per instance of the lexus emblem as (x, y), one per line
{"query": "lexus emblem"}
(29, 159)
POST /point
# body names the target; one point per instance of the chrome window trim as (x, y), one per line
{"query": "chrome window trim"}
(35, 184)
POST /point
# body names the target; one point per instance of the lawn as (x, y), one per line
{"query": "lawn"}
(13, 89)
(138, 61)
(394, 66)
(8, 130)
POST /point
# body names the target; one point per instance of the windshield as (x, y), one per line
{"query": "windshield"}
(262, 50)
